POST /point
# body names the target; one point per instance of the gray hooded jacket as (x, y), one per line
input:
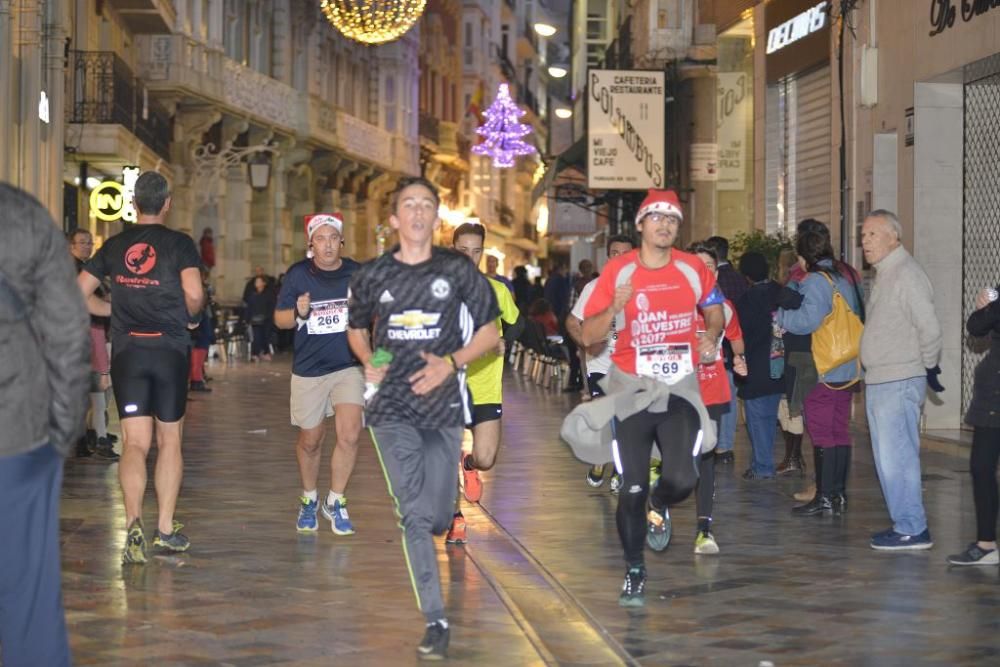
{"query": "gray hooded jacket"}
(44, 331)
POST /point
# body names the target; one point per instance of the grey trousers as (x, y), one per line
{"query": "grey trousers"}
(421, 471)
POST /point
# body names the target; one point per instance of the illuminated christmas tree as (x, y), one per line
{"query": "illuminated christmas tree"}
(502, 133)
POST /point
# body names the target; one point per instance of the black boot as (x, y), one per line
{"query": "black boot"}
(821, 503)
(793, 455)
(842, 466)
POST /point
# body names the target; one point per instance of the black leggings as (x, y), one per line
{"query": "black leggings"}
(983, 464)
(705, 491)
(675, 431)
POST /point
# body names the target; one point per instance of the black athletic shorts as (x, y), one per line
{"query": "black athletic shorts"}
(486, 412)
(150, 379)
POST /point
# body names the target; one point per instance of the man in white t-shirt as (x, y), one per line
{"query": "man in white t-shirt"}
(599, 355)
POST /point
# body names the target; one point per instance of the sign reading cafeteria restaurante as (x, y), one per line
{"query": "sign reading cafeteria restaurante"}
(625, 129)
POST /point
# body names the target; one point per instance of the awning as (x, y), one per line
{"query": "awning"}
(575, 156)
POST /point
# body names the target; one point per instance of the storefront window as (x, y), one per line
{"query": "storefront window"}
(734, 129)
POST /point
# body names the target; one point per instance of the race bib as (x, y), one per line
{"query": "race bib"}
(328, 317)
(667, 363)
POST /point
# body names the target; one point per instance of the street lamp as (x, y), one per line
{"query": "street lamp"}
(545, 29)
(564, 113)
(557, 71)
(259, 168)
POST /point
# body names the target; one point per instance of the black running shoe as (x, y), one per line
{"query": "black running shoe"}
(434, 645)
(104, 451)
(634, 588)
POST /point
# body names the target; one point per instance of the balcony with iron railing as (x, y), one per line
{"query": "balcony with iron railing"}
(101, 89)
(506, 66)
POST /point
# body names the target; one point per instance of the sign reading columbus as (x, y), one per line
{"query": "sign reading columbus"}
(625, 123)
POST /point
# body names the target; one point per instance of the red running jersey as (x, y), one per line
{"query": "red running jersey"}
(658, 338)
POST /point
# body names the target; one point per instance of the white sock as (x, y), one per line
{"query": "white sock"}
(311, 495)
(333, 496)
(98, 407)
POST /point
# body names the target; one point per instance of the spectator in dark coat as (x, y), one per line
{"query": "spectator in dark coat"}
(260, 314)
(523, 288)
(732, 284)
(983, 417)
(760, 391)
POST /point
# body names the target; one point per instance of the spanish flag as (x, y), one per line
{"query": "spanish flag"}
(476, 104)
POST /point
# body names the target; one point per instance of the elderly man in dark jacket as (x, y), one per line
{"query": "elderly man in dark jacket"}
(44, 366)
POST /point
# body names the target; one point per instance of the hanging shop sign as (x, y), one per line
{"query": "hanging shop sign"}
(798, 36)
(625, 129)
(704, 162)
(733, 109)
(944, 12)
(111, 201)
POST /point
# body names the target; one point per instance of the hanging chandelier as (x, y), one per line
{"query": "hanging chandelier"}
(372, 21)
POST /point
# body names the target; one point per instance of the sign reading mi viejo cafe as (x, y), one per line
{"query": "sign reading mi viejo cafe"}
(798, 36)
(111, 201)
(943, 12)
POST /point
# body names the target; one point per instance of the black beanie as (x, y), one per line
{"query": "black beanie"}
(753, 265)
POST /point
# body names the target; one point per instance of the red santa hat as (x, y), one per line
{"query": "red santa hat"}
(664, 202)
(317, 220)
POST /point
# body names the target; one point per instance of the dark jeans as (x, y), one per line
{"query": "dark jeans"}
(675, 432)
(260, 343)
(32, 620)
(983, 464)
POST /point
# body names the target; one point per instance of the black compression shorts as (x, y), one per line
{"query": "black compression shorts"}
(486, 412)
(150, 379)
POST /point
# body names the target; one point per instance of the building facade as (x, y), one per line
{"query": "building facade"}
(929, 80)
(257, 113)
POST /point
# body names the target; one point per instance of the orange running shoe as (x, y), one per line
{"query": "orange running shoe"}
(456, 534)
(472, 482)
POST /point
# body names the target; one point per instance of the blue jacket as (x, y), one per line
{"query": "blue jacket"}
(817, 302)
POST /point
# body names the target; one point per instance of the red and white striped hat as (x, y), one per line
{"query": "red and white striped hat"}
(665, 202)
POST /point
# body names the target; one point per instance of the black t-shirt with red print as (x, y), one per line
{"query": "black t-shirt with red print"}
(144, 264)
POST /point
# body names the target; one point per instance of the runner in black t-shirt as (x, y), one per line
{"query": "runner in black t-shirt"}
(326, 378)
(434, 311)
(156, 290)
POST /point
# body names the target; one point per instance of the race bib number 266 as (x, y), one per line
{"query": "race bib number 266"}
(328, 317)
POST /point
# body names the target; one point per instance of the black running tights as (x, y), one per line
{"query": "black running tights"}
(675, 431)
(983, 464)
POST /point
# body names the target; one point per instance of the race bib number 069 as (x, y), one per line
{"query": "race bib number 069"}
(666, 363)
(328, 317)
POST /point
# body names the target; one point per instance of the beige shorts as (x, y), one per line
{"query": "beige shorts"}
(314, 398)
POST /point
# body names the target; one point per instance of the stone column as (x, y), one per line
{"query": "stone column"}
(702, 203)
(28, 46)
(55, 84)
(281, 49)
(7, 91)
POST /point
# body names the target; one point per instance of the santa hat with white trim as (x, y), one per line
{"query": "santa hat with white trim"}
(664, 202)
(317, 220)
